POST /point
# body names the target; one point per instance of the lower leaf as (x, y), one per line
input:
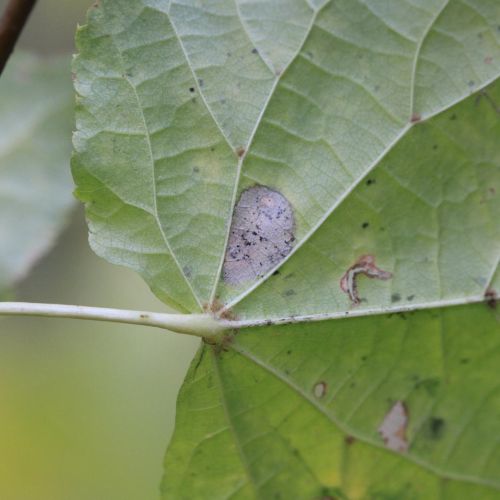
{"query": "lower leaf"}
(312, 411)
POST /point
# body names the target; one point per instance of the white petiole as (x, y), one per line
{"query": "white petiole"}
(200, 325)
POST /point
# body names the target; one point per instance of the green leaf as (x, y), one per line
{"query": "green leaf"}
(294, 411)
(35, 146)
(263, 159)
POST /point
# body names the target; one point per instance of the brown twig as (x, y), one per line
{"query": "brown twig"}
(12, 23)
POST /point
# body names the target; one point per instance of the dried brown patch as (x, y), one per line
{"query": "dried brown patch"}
(260, 237)
(217, 309)
(393, 427)
(240, 151)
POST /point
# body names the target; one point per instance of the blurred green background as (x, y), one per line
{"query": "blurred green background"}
(86, 409)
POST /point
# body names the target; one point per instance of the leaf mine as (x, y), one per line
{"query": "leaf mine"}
(261, 235)
(364, 265)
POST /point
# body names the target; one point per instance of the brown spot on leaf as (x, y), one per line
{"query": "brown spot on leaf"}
(349, 440)
(415, 117)
(491, 298)
(217, 308)
(240, 151)
(393, 428)
(364, 265)
(320, 389)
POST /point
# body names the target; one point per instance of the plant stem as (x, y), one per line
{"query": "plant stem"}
(12, 22)
(199, 325)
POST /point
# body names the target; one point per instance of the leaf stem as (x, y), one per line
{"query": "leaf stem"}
(199, 325)
(12, 22)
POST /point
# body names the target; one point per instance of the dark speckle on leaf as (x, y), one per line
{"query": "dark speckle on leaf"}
(365, 225)
(453, 117)
(435, 146)
(276, 272)
(436, 427)
(471, 83)
(464, 361)
(191, 89)
(491, 298)
(369, 182)
(196, 169)
(349, 440)
(289, 293)
(255, 51)
(395, 297)
(410, 297)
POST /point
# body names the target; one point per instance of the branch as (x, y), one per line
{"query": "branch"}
(199, 325)
(12, 23)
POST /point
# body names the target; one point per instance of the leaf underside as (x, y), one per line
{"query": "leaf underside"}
(378, 122)
(36, 109)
